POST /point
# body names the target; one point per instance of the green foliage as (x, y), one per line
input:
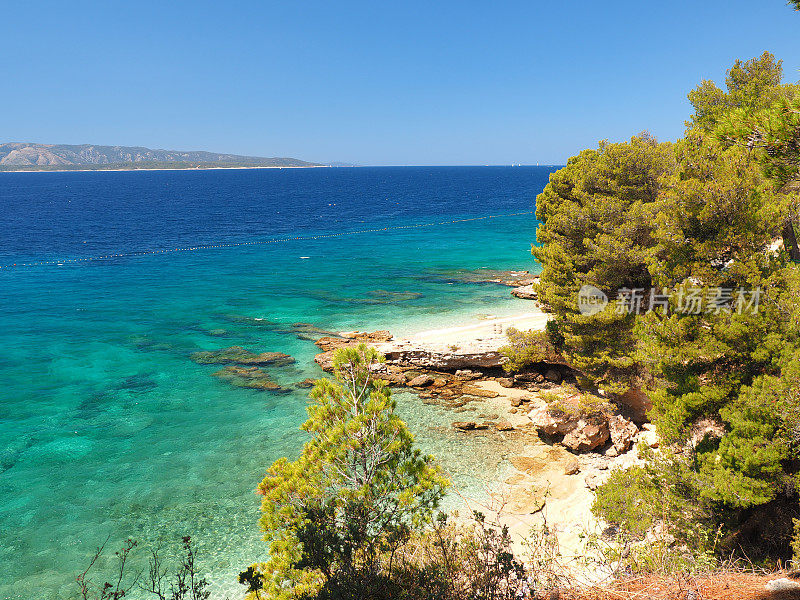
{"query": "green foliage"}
(596, 228)
(751, 85)
(357, 492)
(526, 348)
(705, 214)
(662, 492)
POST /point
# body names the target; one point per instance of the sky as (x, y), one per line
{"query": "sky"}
(372, 83)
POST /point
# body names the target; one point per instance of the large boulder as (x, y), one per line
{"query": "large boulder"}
(622, 432)
(635, 405)
(588, 434)
(553, 422)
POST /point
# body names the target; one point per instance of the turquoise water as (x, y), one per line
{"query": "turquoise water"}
(109, 430)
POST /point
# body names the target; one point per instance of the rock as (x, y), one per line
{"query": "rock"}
(464, 425)
(436, 357)
(467, 374)
(553, 375)
(525, 292)
(421, 381)
(306, 383)
(705, 428)
(552, 422)
(622, 432)
(635, 405)
(504, 426)
(593, 481)
(439, 382)
(506, 382)
(217, 332)
(472, 390)
(611, 452)
(247, 377)
(572, 467)
(484, 425)
(527, 377)
(515, 402)
(649, 436)
(784, 584)
(362, 336)
(240, 356)
(588, 434)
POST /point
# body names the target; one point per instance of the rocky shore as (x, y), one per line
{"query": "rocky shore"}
(561, 442)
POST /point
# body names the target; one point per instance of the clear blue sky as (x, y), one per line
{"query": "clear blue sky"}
(372, 82)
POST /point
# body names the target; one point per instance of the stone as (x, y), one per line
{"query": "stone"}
(553, 375)
(217, 332)
(506, 382)
(472, 390)
(306, 383)
(464, 425)
(484, 425)
(588, 434)
(622, 432)
(439, 382)
(593, 481)
(635, 405)
(649, 436)
(240, 356)
(784, 584)
(551, 422)
(421, 381)
(572, 467)
(251, 378)
(504, 426)
(515, 402)
(467, 374)
(524, 292)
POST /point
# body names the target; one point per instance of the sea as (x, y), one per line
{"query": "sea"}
(109, 281)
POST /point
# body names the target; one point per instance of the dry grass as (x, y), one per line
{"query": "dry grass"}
(721, 585)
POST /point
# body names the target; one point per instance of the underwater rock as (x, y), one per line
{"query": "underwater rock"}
(137, 383)
(240, 356)
(217, 332)
(251, 378)
(306, 383)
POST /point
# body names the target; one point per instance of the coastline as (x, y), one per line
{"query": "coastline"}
(525, 481)
(165, 169)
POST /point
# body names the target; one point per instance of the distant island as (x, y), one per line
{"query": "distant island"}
(20, 156)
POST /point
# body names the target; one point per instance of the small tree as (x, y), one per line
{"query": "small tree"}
(335, 517)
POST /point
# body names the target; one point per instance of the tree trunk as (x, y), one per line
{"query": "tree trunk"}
(790, 241)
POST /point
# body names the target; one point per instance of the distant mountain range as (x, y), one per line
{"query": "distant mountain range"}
(17, 156)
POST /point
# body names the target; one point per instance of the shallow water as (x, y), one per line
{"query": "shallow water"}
(108, 429)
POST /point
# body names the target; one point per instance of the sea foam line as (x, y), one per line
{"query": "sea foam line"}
(67, 261)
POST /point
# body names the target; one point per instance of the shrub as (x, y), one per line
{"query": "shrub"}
(528, 347)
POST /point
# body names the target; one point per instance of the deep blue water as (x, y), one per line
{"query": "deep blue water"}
(108, 429)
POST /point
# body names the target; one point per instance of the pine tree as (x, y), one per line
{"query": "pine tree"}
(335, 516)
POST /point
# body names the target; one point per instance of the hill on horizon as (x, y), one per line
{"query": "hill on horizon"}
(27, 156)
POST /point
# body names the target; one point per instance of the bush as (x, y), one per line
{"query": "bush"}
(527, 348)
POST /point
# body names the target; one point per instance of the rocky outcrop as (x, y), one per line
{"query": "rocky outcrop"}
(407, 354)
(553, 422)
(583, 431)
(635, 404)
(239, 356)
(525, 292)
(622, 433)
(589, 433)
